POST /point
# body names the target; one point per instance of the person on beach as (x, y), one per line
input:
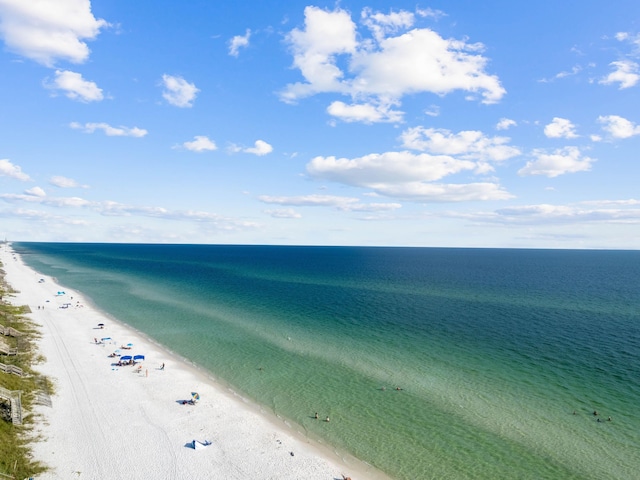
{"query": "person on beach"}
(316, 415)
(327, 419)
(162, 366)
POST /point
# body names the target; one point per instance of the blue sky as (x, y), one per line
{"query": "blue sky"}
(444, 123)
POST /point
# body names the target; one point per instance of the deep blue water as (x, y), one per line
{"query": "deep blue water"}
(494, 348)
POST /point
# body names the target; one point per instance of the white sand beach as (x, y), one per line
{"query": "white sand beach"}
(111, 422)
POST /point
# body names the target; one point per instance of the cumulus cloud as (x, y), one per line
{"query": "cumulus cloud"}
(238, 42)
(625, 74)
(8, 169)
(406, 175)
(560, 128)
(178, 92)
(468, 144)
(385, 168)
(417, 177)
(395, 61)
(49, 31)
(618, 127)
(109, 130)
(201, 143)
(259, 148)
(75, 87)
(560, 162)
(505, 124)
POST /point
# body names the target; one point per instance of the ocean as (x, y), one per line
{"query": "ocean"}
(431, 363)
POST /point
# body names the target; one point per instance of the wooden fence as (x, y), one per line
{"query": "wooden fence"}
(10, 331)
(16, 404)
(8, 350)
(11, 369)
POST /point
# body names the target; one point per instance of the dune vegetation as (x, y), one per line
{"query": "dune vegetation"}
(20, 388)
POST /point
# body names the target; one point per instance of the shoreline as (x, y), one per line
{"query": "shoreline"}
(112, 422)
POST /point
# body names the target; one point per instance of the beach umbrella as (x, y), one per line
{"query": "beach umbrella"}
(195, 395)
(101, 324)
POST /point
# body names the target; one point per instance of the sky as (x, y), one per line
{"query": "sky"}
(498, 124)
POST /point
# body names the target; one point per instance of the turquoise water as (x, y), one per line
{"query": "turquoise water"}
(494, 349)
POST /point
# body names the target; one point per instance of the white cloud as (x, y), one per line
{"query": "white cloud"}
(109, 130)
(57, 202)
(283, 213)
(381, 70)
(561, 161)
(116, 209)
(36, 191)
(407, 176)
(8, 169)
(441, 193)
(349, 204)
(468, 144)
(560, 128)
(382, 25)
(365, 113)
(237, 42)
(63, 182)
(634, 40)
(75, 87)
(618, 127)
(201, 143)
(625, 73)
(47, 31)
(387, 168)
(609, 212)
(505, 124)
(574, 71)
(430, 13)
(433, 111)
(178, 92)
(260, 148)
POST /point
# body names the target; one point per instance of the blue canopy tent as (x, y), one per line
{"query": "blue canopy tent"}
(126, 358)
(138, 358)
